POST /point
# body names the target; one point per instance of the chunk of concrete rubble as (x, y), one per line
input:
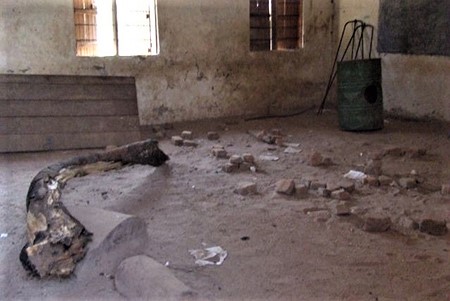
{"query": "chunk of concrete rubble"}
(246, 188)
(405, 224)
(186, 135)
(340, 194)
(143, 278)
(407, 183)
(219, 152)
(236, 159)
(229, 167)
(445, 189)
(315, 159)
(373, 167)
(249, 158)
(376, 224)
(212, 135)
(190, 143)
(285, 186)
(384, 180)
(433, 227)
(177, 140)
(372, 181)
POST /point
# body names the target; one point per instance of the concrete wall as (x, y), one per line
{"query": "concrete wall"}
(204, 70)
(414, 86)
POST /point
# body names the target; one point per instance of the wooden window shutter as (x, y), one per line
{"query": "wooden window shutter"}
(260, 25)
(85, 14)
(288, 24)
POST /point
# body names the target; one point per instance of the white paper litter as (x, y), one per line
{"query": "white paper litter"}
(4, 235)
(292, 150)
(268, 158)
(209, 256)
(355, 175)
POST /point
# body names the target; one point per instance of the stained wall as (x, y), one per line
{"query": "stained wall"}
(204, 69)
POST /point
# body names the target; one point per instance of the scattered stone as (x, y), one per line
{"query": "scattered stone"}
(315, 159)
(327, 161)
(332, 186)
(347, 185)
(220, 153)
(433, 227)
(177, 140)
(406, 224)
(373, 167)
(285, 186)
(384, 180)
(212, 136)
(301, 189)
(236, 159)
(340, 194)
(342, 210)
(377, 224)
(247, 157)
(407, 183)
(372, 181)
(317, 185)
(186, 135)
(229, 168)
(190, 143)
(292, 150)
(445, 190)
(322, 191)
(246, 188)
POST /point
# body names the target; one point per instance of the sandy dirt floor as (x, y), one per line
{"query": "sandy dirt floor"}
(280, 247)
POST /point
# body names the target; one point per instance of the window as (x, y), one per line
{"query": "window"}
(116, 27)
(276, 25)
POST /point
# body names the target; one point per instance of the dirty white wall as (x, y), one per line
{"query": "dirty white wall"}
(204, 69)
(414, 86)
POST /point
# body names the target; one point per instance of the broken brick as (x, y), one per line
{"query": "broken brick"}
(248, 158)
(315, 159)
(285, 186)
(342, 210)
(246, 188)
(340, 194)
(177, 140)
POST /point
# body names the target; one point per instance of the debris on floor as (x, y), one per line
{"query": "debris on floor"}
(209, 256)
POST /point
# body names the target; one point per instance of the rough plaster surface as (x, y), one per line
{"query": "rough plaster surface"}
(204, 69)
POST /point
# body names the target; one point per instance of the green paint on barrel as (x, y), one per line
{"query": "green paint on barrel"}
(360, 98)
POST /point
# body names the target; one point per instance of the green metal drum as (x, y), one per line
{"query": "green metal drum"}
(360, 98)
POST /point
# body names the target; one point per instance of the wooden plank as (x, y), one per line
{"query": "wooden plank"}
(33, 91)
(85, 124)
(66, 79)
(36, 142)
(22, 108)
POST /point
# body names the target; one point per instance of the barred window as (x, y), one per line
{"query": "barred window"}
(116, 27)
(276, 24)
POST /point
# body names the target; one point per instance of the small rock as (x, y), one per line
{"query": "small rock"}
(236, 159)
(373, 167)
(246, 188)
(377, 224)
(177, 140)
(285, 186)
(340, 194)
(407, 183)
(247, 157)
(384, 180)
(186, 135)
(347, 185)
(301, 189)
(323, 192)
(190, 143)
(433, 227)
(315, 159)
(229, 168)
(212, 136)
(342, 210)
(317, 185)
(332, 186)
(372, 181)
(445, 189)
(219, 153)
